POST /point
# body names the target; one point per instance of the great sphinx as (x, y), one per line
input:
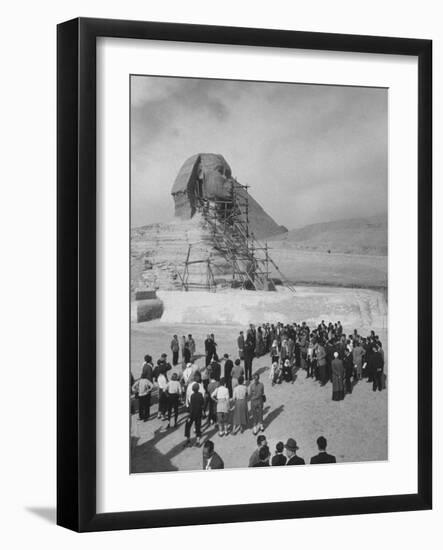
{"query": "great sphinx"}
(208, 177)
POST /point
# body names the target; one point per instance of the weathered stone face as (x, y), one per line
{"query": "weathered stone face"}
(207, 176)
(203, 176)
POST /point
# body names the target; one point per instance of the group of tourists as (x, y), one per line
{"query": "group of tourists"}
(227, 393)
(284, 454)
(325, 353)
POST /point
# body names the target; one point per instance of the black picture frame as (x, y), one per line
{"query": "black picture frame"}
(76, 280)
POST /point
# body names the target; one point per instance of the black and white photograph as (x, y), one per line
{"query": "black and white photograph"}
(258, 272)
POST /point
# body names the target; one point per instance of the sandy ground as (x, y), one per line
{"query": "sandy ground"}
(316, 267)
(356, 428)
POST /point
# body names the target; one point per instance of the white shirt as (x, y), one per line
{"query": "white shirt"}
(162, 382)
(143, 386)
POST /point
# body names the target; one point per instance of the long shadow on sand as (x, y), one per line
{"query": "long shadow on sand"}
(147, 458)
(272, 416)
(260, 371)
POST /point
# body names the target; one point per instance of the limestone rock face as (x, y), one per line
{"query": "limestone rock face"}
(159, 252)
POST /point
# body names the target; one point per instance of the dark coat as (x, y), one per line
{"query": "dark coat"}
(323, 458)
(229, 365)
(338, 375)
(216, 462)
(215, 371)
(375, 363)
(148, 371)
(295, 461)
(210, 346)
(278, 460)
(196, 403)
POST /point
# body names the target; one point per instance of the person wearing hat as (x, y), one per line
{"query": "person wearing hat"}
(196, 404)
(291, 452)
(338, 378)
(323, 457)
(279, 458)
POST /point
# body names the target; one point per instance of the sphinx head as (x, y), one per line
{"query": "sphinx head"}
(203, 177)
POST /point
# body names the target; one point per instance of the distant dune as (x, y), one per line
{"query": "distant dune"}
(352, 236)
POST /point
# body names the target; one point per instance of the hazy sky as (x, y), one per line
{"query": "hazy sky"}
(310, 153)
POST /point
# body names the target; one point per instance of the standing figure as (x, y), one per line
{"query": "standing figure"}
(338, 378)
(375, 367)
(229, 365)
(237, 371)
(240, 396)
(249, 351)
(257, 395)
(148, 368)
(173, 392)
(348, 364)
(221, 396)
(162, 381)
(191, 346)
(143, 388)
(212, 405)
(175, 348)
(182, 349)
(322, 365)
(209, 349)
(241, 345)
(357, 356)
(196, 404)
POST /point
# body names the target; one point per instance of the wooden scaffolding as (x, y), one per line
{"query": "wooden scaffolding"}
(250, 263)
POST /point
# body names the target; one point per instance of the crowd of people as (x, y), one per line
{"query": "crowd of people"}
(284, 454)
(231, 397)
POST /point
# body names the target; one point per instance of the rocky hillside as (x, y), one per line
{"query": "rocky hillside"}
(352, 236)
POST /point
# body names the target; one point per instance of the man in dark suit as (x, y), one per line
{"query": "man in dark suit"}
(291, 452)
(229, 365)
(323, 457)
(241, 345)
(196, 405)
(148, 369)
(210, 349)
(211, 460)
(375, 369)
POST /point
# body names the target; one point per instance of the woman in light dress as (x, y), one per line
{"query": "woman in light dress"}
(221, 396)
(240, 397)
